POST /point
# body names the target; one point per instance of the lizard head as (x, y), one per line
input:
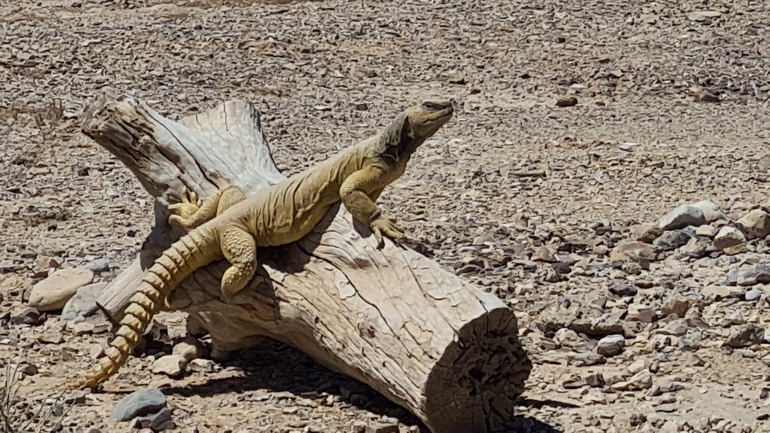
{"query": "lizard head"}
(425, 119)
(415, 125)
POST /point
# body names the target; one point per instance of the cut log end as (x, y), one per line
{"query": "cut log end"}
(474, 385)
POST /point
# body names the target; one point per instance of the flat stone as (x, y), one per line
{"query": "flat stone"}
(710, 210)
(201, 365)
(621, 288)
(83, 303)
(676, 327)
(189, 349)
(687, 344)
(28, 316)
(51, 337)
(641, 313)
(645, 233)
(138, 403)
(595, 379)
(755, 224)
(708, 231)
(631, 268)
(667, 408)
(676, 304)
(728, 237)
(597, 327)
(639, 381)
(586, 359)
(735, 318)
(380, 427)
(170, 365)
(568, 337)
(572, 381)
(75, 397)
(52, 293)
(157, 421)
(682, 216)
(544, 254)
(28, 369)
(568, 101)
(695, 248)
(757, 274)
(738, 249)
(754, 294)
(83, 328)
(98, 265)
(719, 291)
(745, 336)
(611, 345)
(673, 239)
(95, 351)
(637, 366)
(665, 386)
(634, 251)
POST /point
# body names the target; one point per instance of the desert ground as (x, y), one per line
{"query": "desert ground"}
(525, 193)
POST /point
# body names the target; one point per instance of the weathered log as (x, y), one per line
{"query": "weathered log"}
(391, 318)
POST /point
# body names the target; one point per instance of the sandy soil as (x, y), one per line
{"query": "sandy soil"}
(641, 140)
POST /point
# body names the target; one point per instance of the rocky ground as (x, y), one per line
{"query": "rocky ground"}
(582, 127)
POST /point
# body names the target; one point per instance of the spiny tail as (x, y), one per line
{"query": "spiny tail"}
(181, 259)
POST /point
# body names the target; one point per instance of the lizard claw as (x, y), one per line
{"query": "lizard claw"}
(386, 226)
(189, 196)
(184, 209)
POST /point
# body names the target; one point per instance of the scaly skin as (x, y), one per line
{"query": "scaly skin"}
(230, 225)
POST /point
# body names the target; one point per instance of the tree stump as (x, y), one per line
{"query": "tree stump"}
(391, 318)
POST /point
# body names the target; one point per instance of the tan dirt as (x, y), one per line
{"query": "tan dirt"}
(512, 169)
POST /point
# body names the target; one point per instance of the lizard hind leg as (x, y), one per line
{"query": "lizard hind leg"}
(192, 212)
(240, 250)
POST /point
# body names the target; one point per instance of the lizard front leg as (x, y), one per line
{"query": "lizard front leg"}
(188, 206)
(240, 250)
(191, 212)
(363, 208)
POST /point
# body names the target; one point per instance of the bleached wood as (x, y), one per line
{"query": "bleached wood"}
(441, 348)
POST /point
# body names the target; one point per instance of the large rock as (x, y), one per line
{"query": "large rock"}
(756, 224)
(138, 403)
(611, 345)
(83, 303)
(682, 216)
(710, 210)
(53, 293)
(728, 237)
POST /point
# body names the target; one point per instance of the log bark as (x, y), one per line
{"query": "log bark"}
(441, 348)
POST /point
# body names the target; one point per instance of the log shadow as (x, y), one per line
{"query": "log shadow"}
(278, 367)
